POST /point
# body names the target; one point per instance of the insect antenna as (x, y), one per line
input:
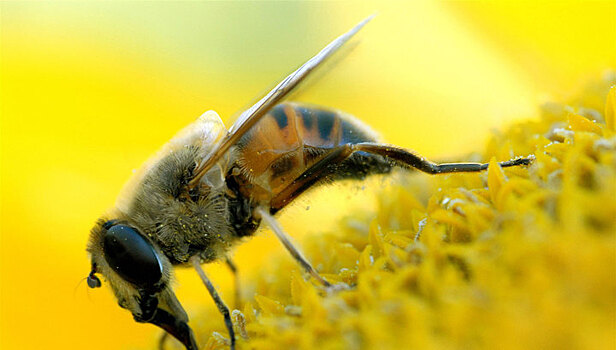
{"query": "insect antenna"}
(79, 285)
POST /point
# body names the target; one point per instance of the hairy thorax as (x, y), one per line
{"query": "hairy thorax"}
(183, 223)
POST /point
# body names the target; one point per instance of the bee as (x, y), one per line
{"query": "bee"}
(209, 187)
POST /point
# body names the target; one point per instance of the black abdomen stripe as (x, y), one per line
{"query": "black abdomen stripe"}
(307, 115)
(325, 123)
(328, 124)
(280, 116)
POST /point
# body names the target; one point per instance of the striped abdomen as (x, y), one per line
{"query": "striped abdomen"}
(293, 137)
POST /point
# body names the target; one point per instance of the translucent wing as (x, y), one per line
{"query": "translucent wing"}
(253, 114)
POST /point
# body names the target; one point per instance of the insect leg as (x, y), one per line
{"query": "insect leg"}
(224, 310)
(317, 171)
(236, 282)
(286, 241)
(408, 159)
(400, 157)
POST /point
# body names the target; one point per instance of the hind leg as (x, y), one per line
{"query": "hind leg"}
(407, 159)
(328, 165)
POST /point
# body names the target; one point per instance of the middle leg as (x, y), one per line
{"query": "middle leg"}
(286, 241)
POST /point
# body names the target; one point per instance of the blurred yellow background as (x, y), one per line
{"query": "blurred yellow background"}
(91, 90)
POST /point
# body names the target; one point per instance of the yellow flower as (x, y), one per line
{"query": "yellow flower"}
(510, 259)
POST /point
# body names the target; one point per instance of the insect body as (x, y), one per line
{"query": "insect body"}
(210, 187)
(292, 138)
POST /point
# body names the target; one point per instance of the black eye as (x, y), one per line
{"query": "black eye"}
(132, 256)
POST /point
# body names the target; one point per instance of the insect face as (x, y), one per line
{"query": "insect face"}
(139, 275)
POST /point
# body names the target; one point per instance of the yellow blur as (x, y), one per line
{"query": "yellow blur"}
(91, 90)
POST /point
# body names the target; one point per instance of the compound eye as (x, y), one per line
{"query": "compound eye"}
(132, 256)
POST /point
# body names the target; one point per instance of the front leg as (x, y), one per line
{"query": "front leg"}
(224, 310)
